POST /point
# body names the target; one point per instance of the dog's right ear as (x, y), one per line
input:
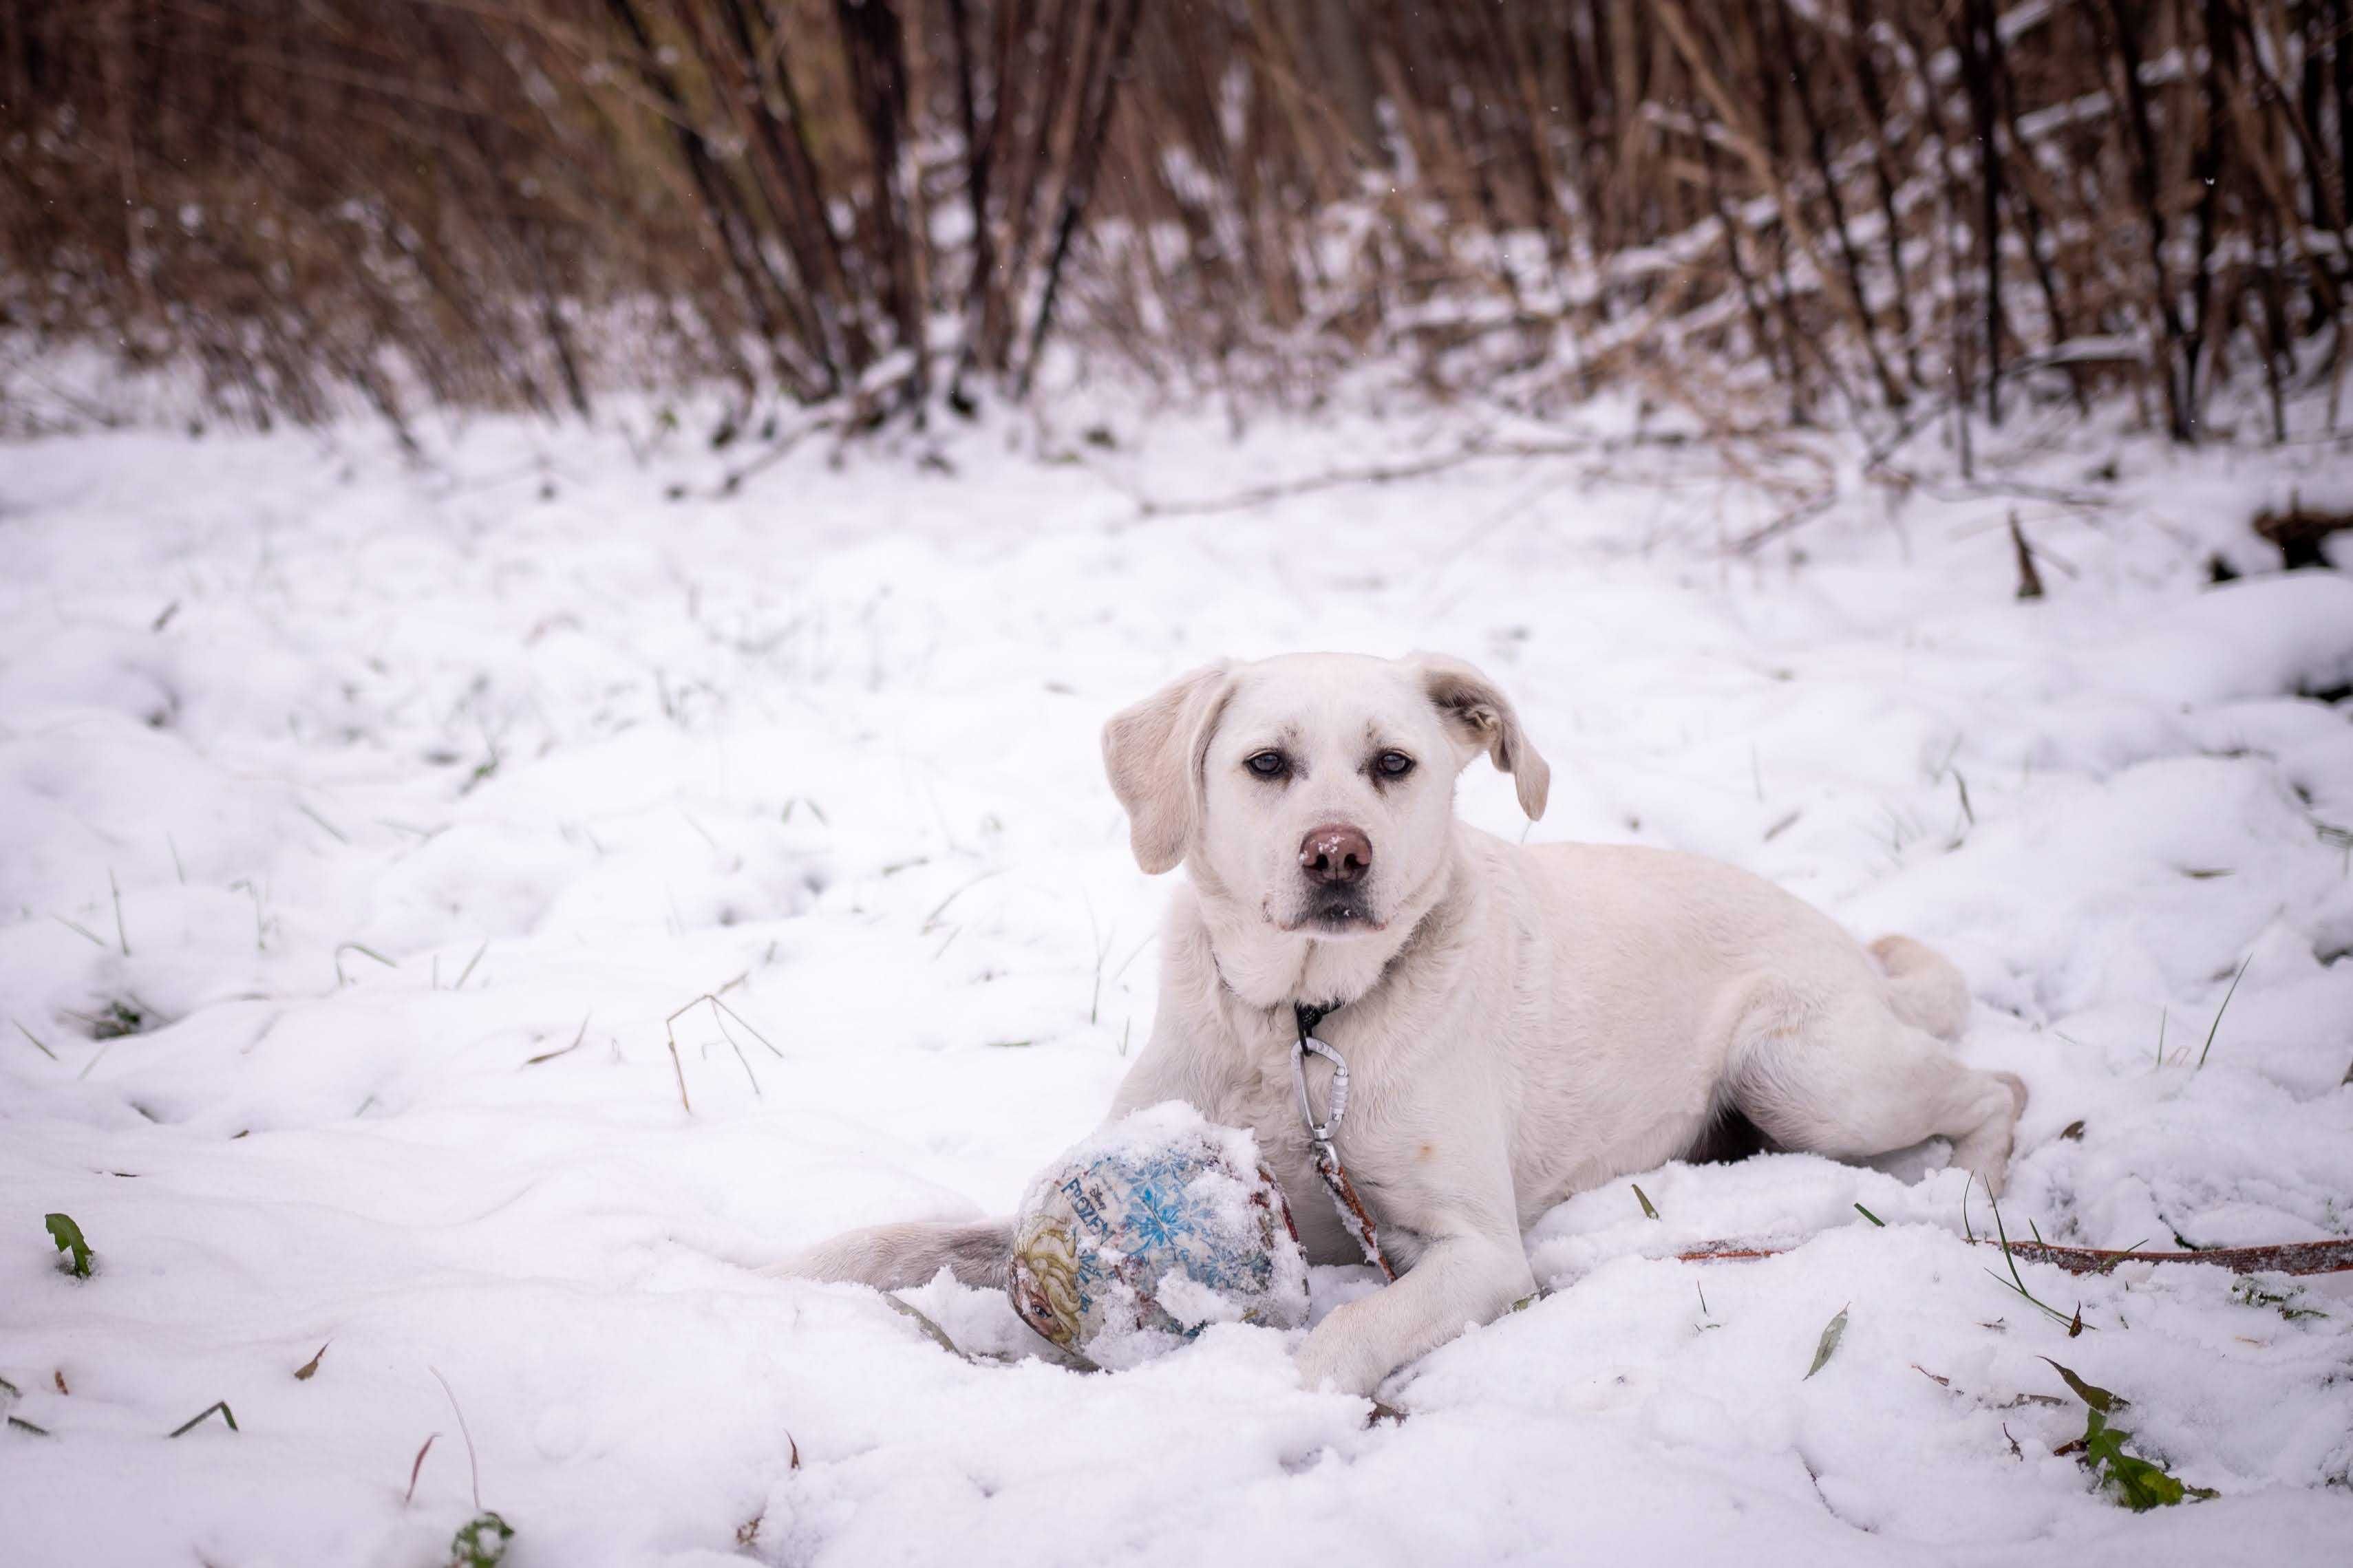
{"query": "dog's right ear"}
(1154, 754)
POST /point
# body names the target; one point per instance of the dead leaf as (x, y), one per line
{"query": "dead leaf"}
(1833, 1331)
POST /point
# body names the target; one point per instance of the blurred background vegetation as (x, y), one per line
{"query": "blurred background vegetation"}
(1819, 211)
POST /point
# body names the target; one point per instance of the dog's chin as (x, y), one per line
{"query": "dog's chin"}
(1334, 920)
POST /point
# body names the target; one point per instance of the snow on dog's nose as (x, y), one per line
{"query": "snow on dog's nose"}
(1335, 855)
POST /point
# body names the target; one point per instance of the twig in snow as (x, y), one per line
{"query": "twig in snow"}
(218, 1405)
(80, 931)
(1803, 512)
(473, 1470)
(778, 450)
(670, 1032)
(1378, 474)
(2333, 1256)
(719, 1006)
(1131, 955)
(259, 927)
(680, 1068)
(932, 1330)
(122, 936)
(416, 1469)
(932, 920)
(551, 1056)
(746, 1062)
(1102, 954)
(341, 979)
(338, 833)
(735, 860)
(2030, 581)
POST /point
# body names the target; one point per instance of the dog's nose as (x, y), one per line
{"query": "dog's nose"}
(1335, 855)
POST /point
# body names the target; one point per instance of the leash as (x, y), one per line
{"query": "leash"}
(1354, 1217)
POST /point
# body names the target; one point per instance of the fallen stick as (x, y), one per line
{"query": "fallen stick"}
(1383, 474)
(2284, 1258)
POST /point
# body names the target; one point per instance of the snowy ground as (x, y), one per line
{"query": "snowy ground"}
(430, 792)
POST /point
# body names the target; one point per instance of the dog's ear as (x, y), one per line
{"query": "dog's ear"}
(1153, 752)
(1480, 713)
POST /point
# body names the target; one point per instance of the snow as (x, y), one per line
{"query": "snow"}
(435, 796)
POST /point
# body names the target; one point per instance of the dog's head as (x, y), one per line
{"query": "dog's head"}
(1314, 792)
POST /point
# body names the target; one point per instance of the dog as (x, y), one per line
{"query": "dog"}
(1519, 1024)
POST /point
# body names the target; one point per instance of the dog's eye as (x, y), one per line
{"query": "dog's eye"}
(1267, 764)
(1393, 764)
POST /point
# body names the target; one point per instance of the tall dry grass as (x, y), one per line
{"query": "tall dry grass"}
(1885, 209)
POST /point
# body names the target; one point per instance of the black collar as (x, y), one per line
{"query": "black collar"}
(1307, 1015)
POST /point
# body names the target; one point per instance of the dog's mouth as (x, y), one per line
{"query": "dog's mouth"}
(1334, 913)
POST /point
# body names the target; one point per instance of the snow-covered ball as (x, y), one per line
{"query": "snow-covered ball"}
(1147, 1233)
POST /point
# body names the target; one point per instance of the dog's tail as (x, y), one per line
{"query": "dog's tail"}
(898, 1257)
(1923, 985)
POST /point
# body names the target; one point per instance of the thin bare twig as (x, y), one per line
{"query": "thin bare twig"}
(473, 1470)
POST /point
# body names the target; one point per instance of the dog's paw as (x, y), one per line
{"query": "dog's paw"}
(1334, 1363)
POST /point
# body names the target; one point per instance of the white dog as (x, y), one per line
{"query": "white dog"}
(1519, 1024)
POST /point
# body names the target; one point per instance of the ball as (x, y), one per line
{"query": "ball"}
(1145, 1234)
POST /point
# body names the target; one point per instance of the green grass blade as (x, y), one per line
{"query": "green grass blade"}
(2225, 1007)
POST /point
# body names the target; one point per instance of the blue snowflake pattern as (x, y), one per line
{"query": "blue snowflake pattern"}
(1149, 1209)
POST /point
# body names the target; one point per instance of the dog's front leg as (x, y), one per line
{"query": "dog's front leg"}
(1458, 1282)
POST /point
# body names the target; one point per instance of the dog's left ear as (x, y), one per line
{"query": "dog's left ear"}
(1480, 713)
(1153, 752)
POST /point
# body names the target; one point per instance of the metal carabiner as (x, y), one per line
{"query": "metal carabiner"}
(1321, 1131)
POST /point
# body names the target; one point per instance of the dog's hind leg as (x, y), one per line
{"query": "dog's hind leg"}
(1849, 1079)
(1924, 987)
(897, 1257)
